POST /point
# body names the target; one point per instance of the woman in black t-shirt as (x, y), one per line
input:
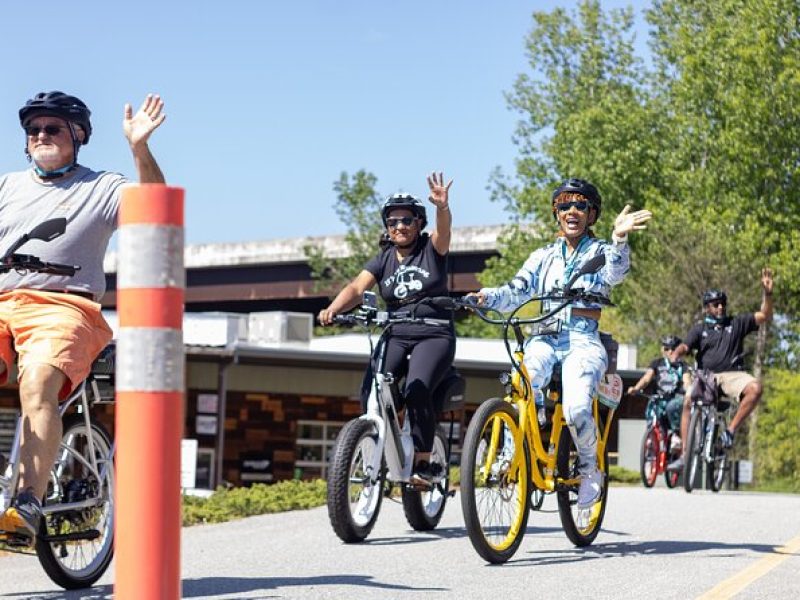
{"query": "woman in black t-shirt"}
(411, 265)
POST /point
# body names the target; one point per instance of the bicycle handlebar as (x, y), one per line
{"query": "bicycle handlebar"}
(28, 262)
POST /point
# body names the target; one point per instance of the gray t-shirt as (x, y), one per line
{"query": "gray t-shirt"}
(90, 202)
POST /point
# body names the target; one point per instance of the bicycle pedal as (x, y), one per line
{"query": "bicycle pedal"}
(16, 540)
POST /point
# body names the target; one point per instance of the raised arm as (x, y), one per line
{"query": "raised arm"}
(765, 314)
(138, 128)
(440, 197)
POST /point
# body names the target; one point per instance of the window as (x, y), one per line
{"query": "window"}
(8, 425)
(315, 444)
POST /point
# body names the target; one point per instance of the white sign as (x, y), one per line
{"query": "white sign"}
(745, 471)
(205, 424)
(207, 403)
(188, 464)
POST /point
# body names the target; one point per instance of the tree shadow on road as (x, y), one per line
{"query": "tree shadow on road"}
(101, 592)
(208, 587)
(648, 548)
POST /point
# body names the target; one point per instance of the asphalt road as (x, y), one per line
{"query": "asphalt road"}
(655, 543)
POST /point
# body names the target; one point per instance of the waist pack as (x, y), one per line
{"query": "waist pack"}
(705, 388)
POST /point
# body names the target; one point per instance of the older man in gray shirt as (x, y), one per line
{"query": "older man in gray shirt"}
(53, 323)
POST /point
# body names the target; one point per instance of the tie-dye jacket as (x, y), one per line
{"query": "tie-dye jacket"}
(546, 270)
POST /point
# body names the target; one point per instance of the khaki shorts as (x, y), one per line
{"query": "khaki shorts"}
(65, 331)
(732, 383)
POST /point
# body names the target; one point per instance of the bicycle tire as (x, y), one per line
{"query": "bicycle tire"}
(424, 508)
(694, 448)
(648, 458)
(494, 500)
(672, 477)
(61, 560)
(715, 470)
(354, 492)
(567, 468)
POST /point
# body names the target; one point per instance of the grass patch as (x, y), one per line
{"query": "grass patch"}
(618, 474)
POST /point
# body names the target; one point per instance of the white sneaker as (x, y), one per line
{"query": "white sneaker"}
(590, 489)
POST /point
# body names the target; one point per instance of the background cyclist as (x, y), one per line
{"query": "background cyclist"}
(576, 207)
(410, 267)
(718, 342)
(51, 322)
(672, 381)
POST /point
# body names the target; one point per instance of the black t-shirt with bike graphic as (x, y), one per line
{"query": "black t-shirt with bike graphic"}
(403, 283)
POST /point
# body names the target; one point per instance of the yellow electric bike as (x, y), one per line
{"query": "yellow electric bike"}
(514, 453)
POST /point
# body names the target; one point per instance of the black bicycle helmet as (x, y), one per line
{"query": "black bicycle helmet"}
(582, 187)
(671, 341)
(405, 201)
(714, 296)
(60, 105)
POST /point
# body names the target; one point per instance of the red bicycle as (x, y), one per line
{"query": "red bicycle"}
(658, 447)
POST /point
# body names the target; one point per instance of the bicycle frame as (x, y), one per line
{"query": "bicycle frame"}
(10, 479)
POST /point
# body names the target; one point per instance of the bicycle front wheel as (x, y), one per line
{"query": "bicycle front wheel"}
(75, 545)
(355, 490)
(694, 450)
(648, 467)
(495, 481)
(716, 469)
(580, 525)
(671, 476)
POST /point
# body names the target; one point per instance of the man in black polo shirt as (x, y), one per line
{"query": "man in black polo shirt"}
(718, 342)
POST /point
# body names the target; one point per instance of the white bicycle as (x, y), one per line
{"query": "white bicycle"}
(75, 542)
(375, 452)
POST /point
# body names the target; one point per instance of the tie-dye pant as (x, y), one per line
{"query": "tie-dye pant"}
(583, 362)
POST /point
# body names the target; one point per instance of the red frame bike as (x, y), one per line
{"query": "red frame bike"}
(657, 451)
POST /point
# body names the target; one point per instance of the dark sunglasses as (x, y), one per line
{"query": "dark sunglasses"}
(52, 130)
(581, 205)
(393, 222)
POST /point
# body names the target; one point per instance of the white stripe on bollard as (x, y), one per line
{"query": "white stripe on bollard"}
(150, 359)
(154, 248)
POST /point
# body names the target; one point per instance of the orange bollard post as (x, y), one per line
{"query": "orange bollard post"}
(149, 388)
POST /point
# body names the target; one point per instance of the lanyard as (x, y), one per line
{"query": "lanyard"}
(569, 264)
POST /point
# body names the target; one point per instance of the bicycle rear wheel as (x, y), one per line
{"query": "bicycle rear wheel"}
(580, 529)
(355, 491)
(648, 460)
(495, 482)
(424, 508)
(716, 469)
(75, 546)
(694, 450)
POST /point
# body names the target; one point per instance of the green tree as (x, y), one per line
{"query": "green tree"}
(708, 137)
(358, 206)
(778, 453)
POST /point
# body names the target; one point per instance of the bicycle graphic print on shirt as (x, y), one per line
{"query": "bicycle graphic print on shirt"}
(406, 279)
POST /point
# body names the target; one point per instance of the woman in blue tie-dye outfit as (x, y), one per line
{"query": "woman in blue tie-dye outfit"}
(576, 207)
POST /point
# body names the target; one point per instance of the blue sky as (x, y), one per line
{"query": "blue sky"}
(268, 102)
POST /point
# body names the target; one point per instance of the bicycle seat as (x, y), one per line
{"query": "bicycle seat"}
(449, 394)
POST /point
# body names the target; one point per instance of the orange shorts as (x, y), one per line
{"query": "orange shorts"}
(65, 331)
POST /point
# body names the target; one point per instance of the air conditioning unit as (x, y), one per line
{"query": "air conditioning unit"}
(279, 326)
(214, 329)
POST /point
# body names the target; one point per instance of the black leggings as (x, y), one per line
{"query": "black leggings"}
(430, 358)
